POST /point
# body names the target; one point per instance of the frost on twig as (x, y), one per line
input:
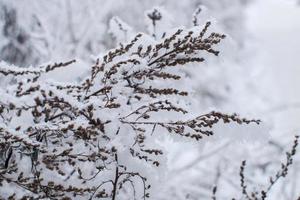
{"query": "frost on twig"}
(97, 138)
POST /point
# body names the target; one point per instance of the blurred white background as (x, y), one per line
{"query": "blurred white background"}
(275, 26)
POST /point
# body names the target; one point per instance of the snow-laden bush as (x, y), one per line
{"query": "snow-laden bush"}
(100, 137)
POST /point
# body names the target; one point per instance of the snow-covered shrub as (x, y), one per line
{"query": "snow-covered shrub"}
(263, 192)
(100, 138)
